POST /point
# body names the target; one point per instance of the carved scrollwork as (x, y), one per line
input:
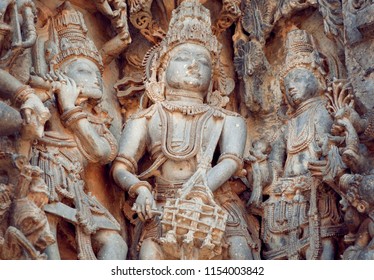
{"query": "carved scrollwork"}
(142, 19)
(230, 13)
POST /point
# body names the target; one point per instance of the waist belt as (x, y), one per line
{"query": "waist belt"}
(165, 191)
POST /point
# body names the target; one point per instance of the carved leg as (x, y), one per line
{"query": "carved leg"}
(52, 251)
(110, 244)
(239, 249)
(328, 249)
(150, 250)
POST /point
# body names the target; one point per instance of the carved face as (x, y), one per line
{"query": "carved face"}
(300, 85)
(189, 68)
(87, 77)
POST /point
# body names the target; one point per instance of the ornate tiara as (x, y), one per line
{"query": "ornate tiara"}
(301, 52)
(68, 34)
(190, 22)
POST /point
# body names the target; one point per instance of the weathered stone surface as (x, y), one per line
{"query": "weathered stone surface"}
(186, 129)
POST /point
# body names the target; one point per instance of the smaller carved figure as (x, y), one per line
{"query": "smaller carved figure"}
(77, 135)
(259, 172)
(15, 41)
(356, 186)
(24, 232)
(301, 218)
(253, 67)
(116, 11)
(354, 181)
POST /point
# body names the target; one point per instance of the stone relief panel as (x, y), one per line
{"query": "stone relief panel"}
(186, 129)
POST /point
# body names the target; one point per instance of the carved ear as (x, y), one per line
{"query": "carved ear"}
(149, 62)
(217, 99)
(155, 91)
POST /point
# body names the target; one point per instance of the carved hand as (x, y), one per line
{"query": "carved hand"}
(66, 91)
(5, 196)
(349, 113)
(144, 204)
(35, 115)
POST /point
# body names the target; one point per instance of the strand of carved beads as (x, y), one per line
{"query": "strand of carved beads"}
(369, 131)
(135, 187)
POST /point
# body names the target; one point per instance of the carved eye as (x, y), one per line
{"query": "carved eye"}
(84, 71)
(182, 57)
(204, 61)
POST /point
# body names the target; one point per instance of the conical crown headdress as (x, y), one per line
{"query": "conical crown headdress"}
(302, 52)
(68, 34)
(190, 22)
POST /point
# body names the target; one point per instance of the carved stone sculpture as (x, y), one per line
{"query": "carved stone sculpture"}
(181, 131)
(353, 180)
(301, 218)
(24, 231)
(242, 124)
(77, 135)
(15, 43)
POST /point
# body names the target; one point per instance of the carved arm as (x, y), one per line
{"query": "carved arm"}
(232, 144)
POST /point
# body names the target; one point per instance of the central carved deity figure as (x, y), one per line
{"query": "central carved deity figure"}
(182, 131)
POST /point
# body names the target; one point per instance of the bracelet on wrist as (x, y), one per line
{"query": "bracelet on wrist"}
(133, 189)
(73, 115)
(22, 94)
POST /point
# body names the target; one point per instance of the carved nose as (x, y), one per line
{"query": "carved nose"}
(193, 65)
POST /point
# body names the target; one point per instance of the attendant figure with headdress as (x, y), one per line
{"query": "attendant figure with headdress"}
(76, 135)
(301, 218)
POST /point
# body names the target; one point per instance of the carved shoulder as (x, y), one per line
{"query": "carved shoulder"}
(220, 112)
(145, 113)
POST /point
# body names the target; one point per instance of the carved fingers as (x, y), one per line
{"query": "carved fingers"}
(5, 195)
(145, 205)
(35, 115)
(66, 91)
